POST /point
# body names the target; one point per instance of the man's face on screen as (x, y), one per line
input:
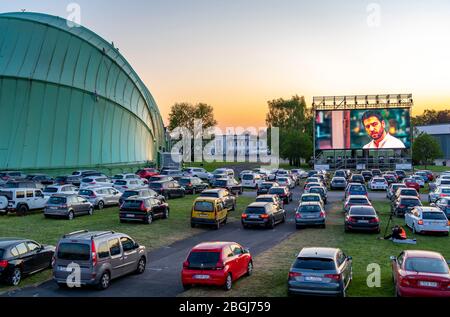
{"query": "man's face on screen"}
(374, 127)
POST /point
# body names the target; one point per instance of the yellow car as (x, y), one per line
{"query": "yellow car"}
(208, 211)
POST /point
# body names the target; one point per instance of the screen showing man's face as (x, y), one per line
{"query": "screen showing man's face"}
(374, 127)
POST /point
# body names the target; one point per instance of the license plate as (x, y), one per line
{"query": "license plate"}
(203, 215)
(201, 277)
(254, 217)
(428, 284)
(130, 215)
(309, 217)
(313, 279)
(363, 221)
(53, 208)
(64, 269)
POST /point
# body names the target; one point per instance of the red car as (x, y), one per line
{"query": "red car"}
(411, 183)
(421, 274)
(147, 172)
(216, 263)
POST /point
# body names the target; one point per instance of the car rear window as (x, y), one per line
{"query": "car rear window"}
(362, 212)
(130, 193)
(248, 177)
(50, 190)
(309, 208)
(264, 200)
(204, 206)
(132, 204)
(265, 185)
(184, 181)
(408, 192)
(316, 264)
(57, 200)
(85, 192)
(426, 265)
(410, 202)
(117, 177)
(155, 185)
(87, 180)
(379, 180)
(120, 183)
(446, 190)
(278, 190)
(203, 259)
(310, 198)
(358, 201)
(74, 251)
(220, 183)
(255, 210)
(445, 182)
(434, 216)
(316, 190)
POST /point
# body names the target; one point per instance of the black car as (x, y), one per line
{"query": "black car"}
(263, 214)
(376, 172)
(140, 192)
(283, 192)
(228, 199)
(362, 218)
(404, 204)
(229, 183)
(40, 178)
(66, 180)
(21, 257)
(357, 178)
(143, 209)
(390, 178)
(192, 185)
(401, 175)
(168, 189)
(264, 187)
(367, 175)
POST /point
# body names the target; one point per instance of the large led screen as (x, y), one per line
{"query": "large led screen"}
(362, 129)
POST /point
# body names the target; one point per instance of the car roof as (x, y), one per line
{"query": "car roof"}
(258, 204)
(268, 196)
(409, 197)
(6, 242)
(309, 203)
(212, 190)
(428, 209)
(423, 254)
(87, 235)
(328, 253)
(211, 246)
(357, 197)
(63, 195)
(210, 199)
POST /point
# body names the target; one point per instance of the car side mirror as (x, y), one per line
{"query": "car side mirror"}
(448, 262)
(349, 258)
(433, 205)
(136, 245)
(393, 258)
(246, 251)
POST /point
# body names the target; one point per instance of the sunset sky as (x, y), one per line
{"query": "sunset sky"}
(237, 54)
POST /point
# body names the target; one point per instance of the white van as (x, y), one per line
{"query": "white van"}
(251, 180)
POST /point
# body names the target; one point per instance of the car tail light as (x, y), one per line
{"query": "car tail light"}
(420, 222)
(405, 281)
(185, 264)
(94, 253)
(335, 277)
(322, 214)
(125, 187)
(93, 195)
(64, 206)
(92, 183)
(142, 207)
(298, 215)
(351, 219)
(401, 206)
(3, 264)
(442, 195)
(244, 216)
(294, 274)
(265, 216)
(220, 266)
(374, 220)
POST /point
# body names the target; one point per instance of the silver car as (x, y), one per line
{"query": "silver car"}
(310, 213)
(427, 219)
(67, 206)
(101, 196)
(101, 256)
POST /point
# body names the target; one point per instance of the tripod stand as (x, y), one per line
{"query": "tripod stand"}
(388, 224)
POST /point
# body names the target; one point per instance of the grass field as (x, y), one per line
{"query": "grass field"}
(271, 267)
(159, 233)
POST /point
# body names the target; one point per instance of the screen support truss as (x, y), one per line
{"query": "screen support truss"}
(362, 102)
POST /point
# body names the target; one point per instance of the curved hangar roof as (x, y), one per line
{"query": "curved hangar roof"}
(51, 52)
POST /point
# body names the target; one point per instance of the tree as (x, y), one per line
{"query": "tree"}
(426, 149)
(183, 115)
(432, 117)
(294, 120)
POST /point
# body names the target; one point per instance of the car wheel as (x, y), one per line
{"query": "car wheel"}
(101, 205)
(15, 277)
(217, 225)
(234, 207)
(23, 210)
(91, 211)
(228, 282)
(284, 218)
(187, 287)
(149, 219)
(70, 215)
(194, 191)
(343, 293)
(250, 268)
(166, 214)
(141, 266)
(105, 281)
(272, 223)
(298, 227)
(62, 285)
(192, 225)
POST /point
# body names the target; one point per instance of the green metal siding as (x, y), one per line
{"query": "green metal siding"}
(68, 98)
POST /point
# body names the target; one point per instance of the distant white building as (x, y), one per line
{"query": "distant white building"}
(441, 132)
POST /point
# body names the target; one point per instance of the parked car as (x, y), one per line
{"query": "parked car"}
(274, 199)
(84, 173)
(101, 196)
(40, 178)
(192, 185)
(390, 178)
(127, 176)
(264, 187)
(171, 172)
(263, 214)
(241, 174)
(439, 192)
(251, 180)
(143, 209)
(147, 172)
(442, 181)
(209, 211)
(95, 180)
(310, 197)
(367, 175)
(196, 172)
(101, 255)
(341, 173)
(423, 175)
(227, 171)
(216, 263)
(168, 189)
(23, 257)
(400, 175)
(23, 200)
(419, 180)
(358, 178)
(427, 219)
(310, 185)
(11, 175)
(419, 273)
(125, 184)
(322, 191)
(67, 206)
(285, 181)
(362, 218)
(59, 189)
(444, 205)
(230, 184)
(22, 184)
(159, 178)
(355, 189)
(338, 182)
(356, 200)
(376, 172)
(411, 183)
(392, 189)
(312, 179)
(310, 213)
(140, 192)
(283, 192)
(67, 180)
(320, 271)
(405, 192)
(228, 199)
(378, 183)
(404, 204)
(300, 173)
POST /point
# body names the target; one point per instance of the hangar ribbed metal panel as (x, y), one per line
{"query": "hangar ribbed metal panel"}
(68, 98)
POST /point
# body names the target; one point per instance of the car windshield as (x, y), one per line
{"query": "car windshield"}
(209, 194)
(310, 198)
(264, 200)
(204, 206)
(434, 216)
(275, 190)
(117, 177)
(358, 201)
(154, 178)
(57, 200)
(120, 183)
(2, 252)
(248, 177)
(87, 180)
(338, 180)
(309, 208)
(426, 265)
(255, 210)
(220, 183)
(316, 264)
(50, 190)
(155, 185)
(362, 212)
(203, 259)
(445, 182)
(74, 251)
(130, 193)
(265, 185)
(408, 192)
(316, 190)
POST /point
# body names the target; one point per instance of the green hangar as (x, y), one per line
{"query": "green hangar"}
(68, 98)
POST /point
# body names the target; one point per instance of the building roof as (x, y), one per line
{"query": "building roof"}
(435, 129)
